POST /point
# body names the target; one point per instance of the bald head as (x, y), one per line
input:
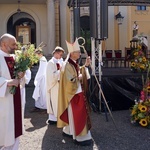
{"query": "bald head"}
(6, 37)
(8, 43)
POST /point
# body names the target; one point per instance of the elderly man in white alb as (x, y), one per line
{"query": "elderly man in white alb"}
(52, 84)
(10, 105)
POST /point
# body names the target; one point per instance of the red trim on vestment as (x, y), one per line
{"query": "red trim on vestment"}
(79, 113)
(18, 113)
(76, 66)
(17, 100)
(58, 66)
(64, 116)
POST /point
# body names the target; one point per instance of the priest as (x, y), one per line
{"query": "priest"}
(10, 105)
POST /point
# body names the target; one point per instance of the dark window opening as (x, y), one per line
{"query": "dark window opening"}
(141, 7)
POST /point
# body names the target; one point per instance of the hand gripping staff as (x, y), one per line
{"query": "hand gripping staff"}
(82, 46)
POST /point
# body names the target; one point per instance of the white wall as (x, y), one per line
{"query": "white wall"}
(123, 30)
(63, 25)
(110, 42)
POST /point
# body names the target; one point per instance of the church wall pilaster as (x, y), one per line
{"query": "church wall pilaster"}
(51, 25)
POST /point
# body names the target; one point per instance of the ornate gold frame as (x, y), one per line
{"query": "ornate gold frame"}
(23, 34)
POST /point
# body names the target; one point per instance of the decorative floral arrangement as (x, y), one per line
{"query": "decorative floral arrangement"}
(139, 63)
(25, 59)
(140, 112)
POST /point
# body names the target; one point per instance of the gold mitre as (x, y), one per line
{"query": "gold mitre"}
(73, 47)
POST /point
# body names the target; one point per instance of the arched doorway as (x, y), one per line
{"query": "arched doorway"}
(25, 23)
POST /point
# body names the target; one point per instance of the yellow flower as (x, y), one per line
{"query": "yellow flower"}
(139, 47)
(133, 112)
(144, 59)
(133, 64)
(143, 108)
(142, 66)
(143, 122)
(139, 105)
(135, 53)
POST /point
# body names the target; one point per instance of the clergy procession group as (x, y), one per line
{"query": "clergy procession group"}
(60, 88)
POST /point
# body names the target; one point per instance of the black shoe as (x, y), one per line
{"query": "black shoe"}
(66, 135)
(83, 143)
(51, 122)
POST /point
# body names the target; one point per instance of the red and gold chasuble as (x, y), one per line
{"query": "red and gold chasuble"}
(17, 100)
(79, 109)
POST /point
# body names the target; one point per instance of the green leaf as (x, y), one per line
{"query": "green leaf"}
(141, 115)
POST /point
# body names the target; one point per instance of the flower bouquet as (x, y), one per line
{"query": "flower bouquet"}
(140, 112)
(139, 63)
(25, 58)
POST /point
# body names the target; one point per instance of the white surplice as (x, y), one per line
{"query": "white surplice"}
(39, 93)
(7, 135)
(52, 86)
(23, 82)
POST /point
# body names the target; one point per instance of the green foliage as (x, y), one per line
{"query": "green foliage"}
(25, 59)
(139, 62)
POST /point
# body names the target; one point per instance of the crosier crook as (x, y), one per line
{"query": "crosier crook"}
(82, 46)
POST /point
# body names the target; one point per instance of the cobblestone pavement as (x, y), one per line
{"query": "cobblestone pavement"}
(40, 136)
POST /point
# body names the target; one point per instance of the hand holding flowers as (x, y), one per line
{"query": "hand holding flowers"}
(25, 59)
(13, 82)
(21, 74)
